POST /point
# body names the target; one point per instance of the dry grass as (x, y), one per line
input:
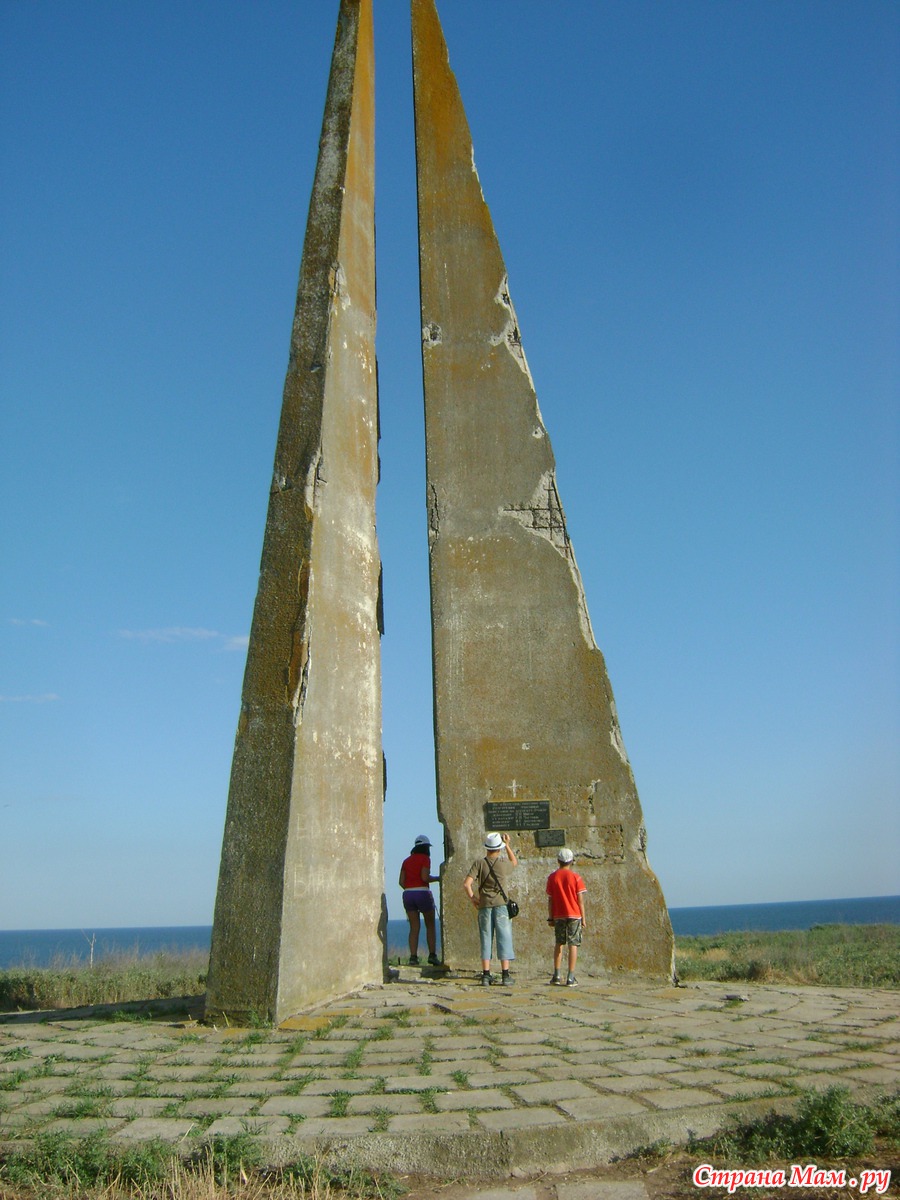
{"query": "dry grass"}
(192, 1183)
(837, 955)
(111, 980)
(60, 1167)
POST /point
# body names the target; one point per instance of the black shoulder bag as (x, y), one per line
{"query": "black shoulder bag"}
(511, 907)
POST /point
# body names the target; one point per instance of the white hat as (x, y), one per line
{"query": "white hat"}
(422, 840)
(565, 855)
(493, 841)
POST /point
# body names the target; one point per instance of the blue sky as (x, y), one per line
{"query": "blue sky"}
(697, 203)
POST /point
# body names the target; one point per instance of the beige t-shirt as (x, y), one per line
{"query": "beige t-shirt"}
(484, 884)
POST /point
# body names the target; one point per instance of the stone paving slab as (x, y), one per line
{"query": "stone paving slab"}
(82, 1126)
(328, 1087)
(552, 1092)
(437, 1123)
(596, 1108)
(421, 1083)
(489, 1079)
(131, 1107)
(470, 1101)
(268, 1127)
(296, 1106)
(408, 1105)
(334, 1127)
(260, 1087)
(443, 1079)
(149, 1128)
(520, 1118)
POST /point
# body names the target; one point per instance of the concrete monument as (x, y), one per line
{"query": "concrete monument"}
(307, 775)
(527, 737)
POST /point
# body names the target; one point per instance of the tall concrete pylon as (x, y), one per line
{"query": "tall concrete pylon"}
(307, 775)
(526, 730)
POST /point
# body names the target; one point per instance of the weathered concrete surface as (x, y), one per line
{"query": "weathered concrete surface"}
(523, 704)
(451, 1080)
(307, 776)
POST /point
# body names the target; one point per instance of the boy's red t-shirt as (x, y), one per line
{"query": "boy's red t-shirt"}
(563, 887)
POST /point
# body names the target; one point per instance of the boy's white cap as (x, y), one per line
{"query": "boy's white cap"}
(422, 840)
(493, 841)
(565, 855)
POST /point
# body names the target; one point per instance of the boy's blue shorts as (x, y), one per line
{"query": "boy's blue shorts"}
(495, 923)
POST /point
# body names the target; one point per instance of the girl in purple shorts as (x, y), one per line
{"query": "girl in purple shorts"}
(416, 880)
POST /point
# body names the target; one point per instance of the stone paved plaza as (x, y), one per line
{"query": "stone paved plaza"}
(446, 1078)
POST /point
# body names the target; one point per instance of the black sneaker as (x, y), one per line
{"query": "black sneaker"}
(414, 960)
(571, 981)
(554, 978)
(506, 979)
(486, 979)
(433, 960)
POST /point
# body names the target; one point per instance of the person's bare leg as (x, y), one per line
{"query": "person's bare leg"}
(413, 933)
(573, 954)
(557, 958)
(430, 932)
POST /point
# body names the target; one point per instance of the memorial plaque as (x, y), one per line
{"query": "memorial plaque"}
(517, 814)
(549, 837)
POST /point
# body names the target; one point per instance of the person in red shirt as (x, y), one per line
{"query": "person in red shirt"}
(565, 898)
(415, 879)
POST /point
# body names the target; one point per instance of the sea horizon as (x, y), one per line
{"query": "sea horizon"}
(43, 947)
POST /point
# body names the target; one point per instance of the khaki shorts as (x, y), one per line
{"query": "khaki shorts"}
(568, 931)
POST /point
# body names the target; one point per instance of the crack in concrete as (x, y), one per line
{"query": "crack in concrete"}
(298, 666)
(338, 282)
(434, 516)
(315, 478)
(510, 334)
(615, 733)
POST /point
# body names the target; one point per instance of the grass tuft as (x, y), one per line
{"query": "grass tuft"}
(316, 1179)
(230, 1158)
(826, 1125)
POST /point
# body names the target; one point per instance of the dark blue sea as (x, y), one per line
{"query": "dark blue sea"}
(45, 947)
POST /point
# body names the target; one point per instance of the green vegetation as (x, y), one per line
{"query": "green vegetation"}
(230, 1168)
(112, 980)
(319, 1182)
(59, 1161)
(827, 1125)
(836, 955)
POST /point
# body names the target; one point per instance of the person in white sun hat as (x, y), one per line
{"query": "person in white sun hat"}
(485, 884)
